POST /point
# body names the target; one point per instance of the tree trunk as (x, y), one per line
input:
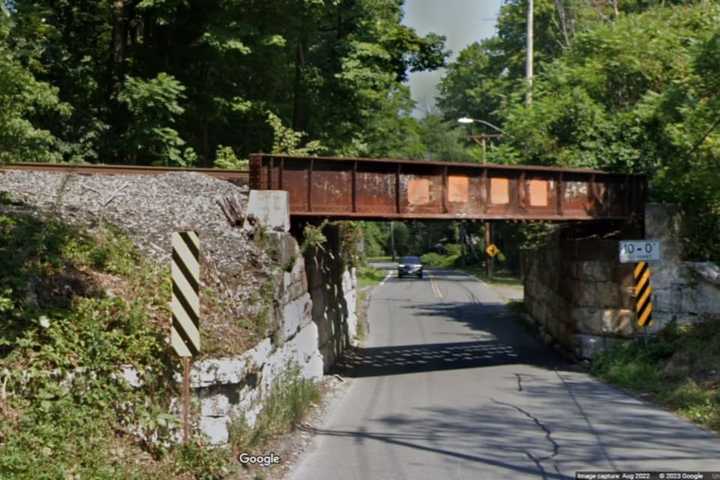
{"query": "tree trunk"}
(562, 14)
(119, 42)
(299, 118)
(206, 145)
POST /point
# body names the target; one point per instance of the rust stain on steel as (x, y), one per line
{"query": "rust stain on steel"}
(418, 191)
(361, 188)
(499, 191)
(458, 188)
(538, 190)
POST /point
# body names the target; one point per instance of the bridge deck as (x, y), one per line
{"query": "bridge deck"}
(361, 188)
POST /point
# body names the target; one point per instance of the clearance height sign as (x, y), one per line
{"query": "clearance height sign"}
(640, 252)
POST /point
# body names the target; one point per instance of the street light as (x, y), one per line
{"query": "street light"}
(489, 261)
(467, 120)
(484, 136)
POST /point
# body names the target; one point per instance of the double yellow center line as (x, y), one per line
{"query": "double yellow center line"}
(436, 289)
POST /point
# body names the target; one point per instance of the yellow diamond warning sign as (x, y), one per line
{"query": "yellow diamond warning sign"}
(492, 250)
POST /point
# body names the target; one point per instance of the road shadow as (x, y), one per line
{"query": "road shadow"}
(396, 360)
(500, 339)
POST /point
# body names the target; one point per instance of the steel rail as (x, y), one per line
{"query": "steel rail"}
(240, 177)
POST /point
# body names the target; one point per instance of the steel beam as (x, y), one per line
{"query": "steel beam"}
(363, 188)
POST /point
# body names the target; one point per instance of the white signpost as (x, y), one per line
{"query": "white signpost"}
(633, 251)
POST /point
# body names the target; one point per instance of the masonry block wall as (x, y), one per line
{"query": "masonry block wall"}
(315, 316)
(333, 289)
(580, 296)
(577, 293)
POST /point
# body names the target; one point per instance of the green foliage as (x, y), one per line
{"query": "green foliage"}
(313, 237)
(62, 343)
(154, 106)
(287, 141)
(438, 260)
(22, 99)
(629, 91)
(75, 307)
(375, 238)
(225, 158)
(157, 80)
(368, 276)
(678, 369)
(351, 241)
(202, 462)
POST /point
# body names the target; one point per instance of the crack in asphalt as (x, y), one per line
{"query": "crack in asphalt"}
(548, 436)
(589, 424)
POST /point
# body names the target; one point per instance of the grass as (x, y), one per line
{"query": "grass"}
(438, 260)
(679, 369)
(455, 260)
(362, 314)
(387, 258)
(289, 401)
(368, 276)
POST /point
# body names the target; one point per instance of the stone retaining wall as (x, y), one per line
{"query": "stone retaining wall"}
(228, 388)
(333, 289)
(315, 303)
(580, 297)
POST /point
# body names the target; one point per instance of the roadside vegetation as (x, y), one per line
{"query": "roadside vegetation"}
(457, 259)
(290, 399)
(679, 369)
(368, 276)
(76, 306)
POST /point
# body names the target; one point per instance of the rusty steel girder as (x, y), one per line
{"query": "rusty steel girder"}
(362, 188)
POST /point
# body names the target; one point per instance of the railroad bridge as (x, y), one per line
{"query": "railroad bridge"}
(377, 189)
(387, 189)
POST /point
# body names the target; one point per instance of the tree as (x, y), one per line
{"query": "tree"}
(637, 95)
(22, 100)
(324, 67)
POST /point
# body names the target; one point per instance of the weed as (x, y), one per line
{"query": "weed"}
(202, 462)
(289, 400)
(313, 238)
(368, 276)
(66, 412)
(361, 309)
(433, 259)
(678, 368)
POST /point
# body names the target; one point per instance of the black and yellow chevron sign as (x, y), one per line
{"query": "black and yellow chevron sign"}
(643, 294)
(185, 303)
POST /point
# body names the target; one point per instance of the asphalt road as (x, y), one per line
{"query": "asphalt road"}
(450, 386)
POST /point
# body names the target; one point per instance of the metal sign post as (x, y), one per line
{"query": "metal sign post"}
(643, 294)
(185, 307)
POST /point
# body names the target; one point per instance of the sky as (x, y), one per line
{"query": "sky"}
(462, 22)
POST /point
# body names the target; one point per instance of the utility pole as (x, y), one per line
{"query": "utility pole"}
(529, 57)
(392, 239)
(489, 260)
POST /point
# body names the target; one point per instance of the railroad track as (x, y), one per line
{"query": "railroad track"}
(238, 177)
